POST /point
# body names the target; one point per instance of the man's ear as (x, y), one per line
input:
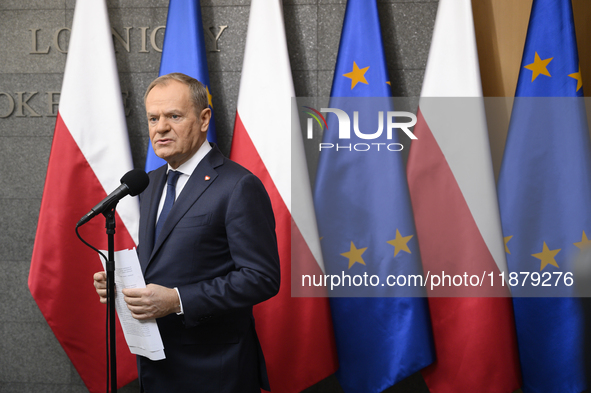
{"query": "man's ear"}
(205, 117)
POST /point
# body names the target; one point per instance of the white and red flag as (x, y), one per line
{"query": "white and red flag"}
(454, 200)
(295, 332)
(89, 154)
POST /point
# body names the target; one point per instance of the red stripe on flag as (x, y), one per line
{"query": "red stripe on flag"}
(295, 332)
(60, 279)
(475, 340)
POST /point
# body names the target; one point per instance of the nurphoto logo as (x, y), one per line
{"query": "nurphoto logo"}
(344, 129)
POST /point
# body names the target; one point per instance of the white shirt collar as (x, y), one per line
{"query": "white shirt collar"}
(186, 170)
(189, 166)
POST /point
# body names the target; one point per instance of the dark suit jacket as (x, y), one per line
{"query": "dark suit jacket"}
(218, 247)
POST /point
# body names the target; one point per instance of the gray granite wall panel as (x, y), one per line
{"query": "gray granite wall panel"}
(32, 360)
(232, 40)
(18, 41)
(330, 24)
(302, 24)
(19, 218)
(32, 4)
(134, 85)
(404, 33)
(35, 354)
(30, 156)
(17, 296)
(290, 2)
(124, 3)
(305, 83)
(142, 33)
(27, 103)
(227, 84)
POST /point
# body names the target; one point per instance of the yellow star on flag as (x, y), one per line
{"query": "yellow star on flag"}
(357, 75)
(354, 255)
(577, 76)
(400, 243)
(539, 67)
(547, 257)
(209, 96)
(584, 242)
(506, 239)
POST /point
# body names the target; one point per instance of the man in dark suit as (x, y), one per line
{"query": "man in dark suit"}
(212, 257)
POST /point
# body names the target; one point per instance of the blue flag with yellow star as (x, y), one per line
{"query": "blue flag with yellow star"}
(544, 195)
(365, 221)
(183, 51)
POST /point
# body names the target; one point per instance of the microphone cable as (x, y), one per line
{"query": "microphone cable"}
(108, 309)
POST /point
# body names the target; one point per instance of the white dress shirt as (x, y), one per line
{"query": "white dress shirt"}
(186, 170)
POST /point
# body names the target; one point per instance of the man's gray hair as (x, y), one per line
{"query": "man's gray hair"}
(197, 91)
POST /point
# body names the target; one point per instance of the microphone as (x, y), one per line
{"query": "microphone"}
(132, 183)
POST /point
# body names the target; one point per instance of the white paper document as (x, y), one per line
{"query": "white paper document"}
(143, 337)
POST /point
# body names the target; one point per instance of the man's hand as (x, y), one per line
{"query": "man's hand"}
(154, 301)
(100, 283)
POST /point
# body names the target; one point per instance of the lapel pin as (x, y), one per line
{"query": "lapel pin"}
(207, 178)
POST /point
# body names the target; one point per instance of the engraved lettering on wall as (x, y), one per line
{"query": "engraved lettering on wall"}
(35, 104)
(215, 37)
(128, 39)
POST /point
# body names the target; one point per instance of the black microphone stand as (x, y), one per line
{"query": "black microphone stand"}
(110, 267)
(132, 183)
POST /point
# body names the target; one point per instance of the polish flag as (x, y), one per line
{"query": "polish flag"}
(453, 195)
(89, 154)
(295, 332)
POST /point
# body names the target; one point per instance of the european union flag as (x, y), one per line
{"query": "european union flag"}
(365, 219)
(544, 195)
(184, 51)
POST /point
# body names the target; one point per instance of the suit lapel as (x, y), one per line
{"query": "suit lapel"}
(149, 212)
(203, 176)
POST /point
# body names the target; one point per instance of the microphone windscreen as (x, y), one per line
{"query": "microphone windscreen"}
(136, 180)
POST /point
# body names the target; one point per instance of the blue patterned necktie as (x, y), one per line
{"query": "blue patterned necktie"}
(168, 202)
